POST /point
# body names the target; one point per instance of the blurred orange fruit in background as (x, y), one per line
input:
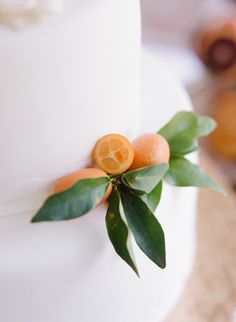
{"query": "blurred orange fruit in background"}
(223, 140)
(215, 44)
(150, 149)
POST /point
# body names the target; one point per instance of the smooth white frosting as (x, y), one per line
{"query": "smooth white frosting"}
(19, 13)
(63, 85)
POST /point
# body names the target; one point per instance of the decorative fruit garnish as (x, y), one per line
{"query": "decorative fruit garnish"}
(135, 194)
(215, 44)
(113, 153)
(150, 149)
(223, 140)
(69, 180)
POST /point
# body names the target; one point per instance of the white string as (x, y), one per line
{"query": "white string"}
(20, 213)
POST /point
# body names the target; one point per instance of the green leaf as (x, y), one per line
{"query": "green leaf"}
(184, 129)
(153, 198)
(145, 179)
(193, 148)
(146, 229)
(180, 131)
(206, 125)
(118, 231)
(183, 173)
(74, 202)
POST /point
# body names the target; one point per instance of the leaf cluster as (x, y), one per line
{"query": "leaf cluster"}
(136, 194)
(182, 133)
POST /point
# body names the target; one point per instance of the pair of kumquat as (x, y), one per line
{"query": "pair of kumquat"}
(115, 154)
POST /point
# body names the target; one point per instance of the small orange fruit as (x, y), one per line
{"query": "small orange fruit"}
(223, 140)
(150, 149)
(215, 44)
(113, 153)
(69, 180)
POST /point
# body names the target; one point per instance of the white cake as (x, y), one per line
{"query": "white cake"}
(65, 81)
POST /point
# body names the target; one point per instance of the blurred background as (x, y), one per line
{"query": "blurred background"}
(196, 40)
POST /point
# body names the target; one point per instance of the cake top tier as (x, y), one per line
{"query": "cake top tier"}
(64, 83)
(19, 13)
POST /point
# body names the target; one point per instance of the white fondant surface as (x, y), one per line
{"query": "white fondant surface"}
(64, 83)
(68, 271)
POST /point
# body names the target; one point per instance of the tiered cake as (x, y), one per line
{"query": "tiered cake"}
(65, 81)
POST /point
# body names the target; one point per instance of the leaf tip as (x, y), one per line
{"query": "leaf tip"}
(39, 217)
(161, 262)
(34, 220)
(136, 272)
(221, 190)
(163, 265)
